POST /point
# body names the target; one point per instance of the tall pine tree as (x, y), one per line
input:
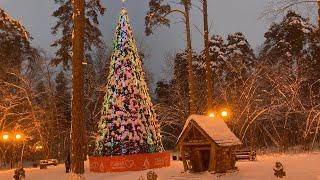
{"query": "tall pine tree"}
(286, 41)
(64, 26)
(240, 58)
(158, 15)
(14, 44)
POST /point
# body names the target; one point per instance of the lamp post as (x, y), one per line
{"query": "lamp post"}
(12, 138)
(5, 138)
(37, 152)
(20, 137)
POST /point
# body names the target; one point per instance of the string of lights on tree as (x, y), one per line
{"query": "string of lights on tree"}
(128, 124)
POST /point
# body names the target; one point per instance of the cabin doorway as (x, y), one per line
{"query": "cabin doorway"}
(200, 160)
(194, 160)
(205, 159)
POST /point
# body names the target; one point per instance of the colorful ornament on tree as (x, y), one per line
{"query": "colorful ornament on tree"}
(128, 123)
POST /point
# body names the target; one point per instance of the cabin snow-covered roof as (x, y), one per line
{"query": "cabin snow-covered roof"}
(215, 128)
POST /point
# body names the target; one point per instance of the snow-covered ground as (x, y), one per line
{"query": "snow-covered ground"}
(297, 167)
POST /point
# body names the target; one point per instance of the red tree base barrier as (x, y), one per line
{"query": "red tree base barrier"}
(134, 162)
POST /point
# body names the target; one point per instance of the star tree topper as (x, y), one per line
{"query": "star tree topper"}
(123, 1)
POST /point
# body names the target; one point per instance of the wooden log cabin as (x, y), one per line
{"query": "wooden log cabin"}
(207, 144)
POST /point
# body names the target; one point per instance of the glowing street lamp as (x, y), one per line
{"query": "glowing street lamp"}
(12, 136)
(224, 113)
(18, 136)
(39, 147)
(211, 115)
(5, 137)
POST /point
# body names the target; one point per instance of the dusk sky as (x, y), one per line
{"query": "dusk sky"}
(226, 16)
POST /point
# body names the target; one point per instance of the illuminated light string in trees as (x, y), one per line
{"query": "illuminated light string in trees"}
(128, 123)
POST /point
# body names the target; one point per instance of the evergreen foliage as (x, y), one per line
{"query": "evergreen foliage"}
(128, 123)
(64, 26)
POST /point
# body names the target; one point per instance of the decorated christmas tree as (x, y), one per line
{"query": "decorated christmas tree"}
(128, 123)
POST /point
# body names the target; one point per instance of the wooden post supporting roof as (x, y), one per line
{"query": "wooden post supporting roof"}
(183, 156)
(212, 163)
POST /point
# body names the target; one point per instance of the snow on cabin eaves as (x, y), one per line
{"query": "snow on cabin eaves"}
(215, 128)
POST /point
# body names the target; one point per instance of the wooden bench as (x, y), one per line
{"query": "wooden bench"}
(246, 155)
(47, 162)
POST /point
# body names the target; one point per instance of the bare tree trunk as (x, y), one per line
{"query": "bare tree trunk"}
(78, 128)
(192, 107)
(209, 80)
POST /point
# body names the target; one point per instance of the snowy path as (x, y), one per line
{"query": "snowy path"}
(298, 167)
